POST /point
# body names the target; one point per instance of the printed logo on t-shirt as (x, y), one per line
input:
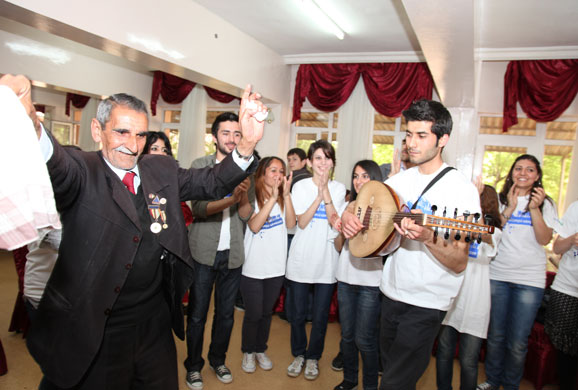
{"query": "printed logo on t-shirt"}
(519, 218)
(474, 250)
(423, 205)
(320, 212)
(272, 221)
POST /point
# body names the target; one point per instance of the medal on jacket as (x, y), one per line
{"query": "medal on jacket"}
(157, 212)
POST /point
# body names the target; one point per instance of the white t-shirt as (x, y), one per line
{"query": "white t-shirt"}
(566, 280)
(521, 259)
(470, 312)
(358, 271)
(312, 256)
(266, 251)
(412, 274)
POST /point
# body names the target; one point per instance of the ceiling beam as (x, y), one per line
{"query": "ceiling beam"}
(445, 31)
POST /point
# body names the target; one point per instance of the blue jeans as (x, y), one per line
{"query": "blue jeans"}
(359, 308)
(469, 355)
(226, 283)
(299, 297)
(514, 308)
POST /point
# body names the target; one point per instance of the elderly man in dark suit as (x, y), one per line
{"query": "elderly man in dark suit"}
(104, 321)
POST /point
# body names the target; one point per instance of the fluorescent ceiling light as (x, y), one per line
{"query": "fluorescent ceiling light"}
(57, 56)
(322, 18)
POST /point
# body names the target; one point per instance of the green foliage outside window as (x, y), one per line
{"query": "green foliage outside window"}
(382, 153)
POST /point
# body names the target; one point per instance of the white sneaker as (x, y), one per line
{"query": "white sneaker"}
(248, 362)
(311, 369)
(486, 386)
(295, 368)
(264, 362)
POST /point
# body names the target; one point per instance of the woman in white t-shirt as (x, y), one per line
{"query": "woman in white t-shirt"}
(312, 258)
(359, 298)
(469, 316)
(518, 273)
(562, 312)
(265, 258)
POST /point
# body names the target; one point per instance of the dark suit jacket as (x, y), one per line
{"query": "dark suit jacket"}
(101, 232)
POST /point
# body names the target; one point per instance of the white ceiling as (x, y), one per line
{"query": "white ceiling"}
(378, 26)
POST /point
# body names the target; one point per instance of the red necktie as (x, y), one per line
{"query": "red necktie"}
(128, 181)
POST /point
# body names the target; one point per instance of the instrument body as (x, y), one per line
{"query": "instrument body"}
(377, 206)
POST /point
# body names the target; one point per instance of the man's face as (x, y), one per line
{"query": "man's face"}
(228, 136)
(423, 145)
(295, 162)
(123, 137)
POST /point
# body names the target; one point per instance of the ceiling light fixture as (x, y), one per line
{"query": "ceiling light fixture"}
(322, 18)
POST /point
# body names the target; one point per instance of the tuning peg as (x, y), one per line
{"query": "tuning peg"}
(447, 234)
(456, 213)
(444, 213)
(479, 239)
(458, 236)
(434, 208)
(476, 217)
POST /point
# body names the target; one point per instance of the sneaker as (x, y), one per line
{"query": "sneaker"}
(345, 385)
(295, 368)
(337, 363)
(223, 373)
(486, 386)
(248, 362)
(194, 380)
(311, 369)
(264, 362)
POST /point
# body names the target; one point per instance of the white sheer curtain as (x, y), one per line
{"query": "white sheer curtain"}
(354, 133)
(85, 141)
(193, 127)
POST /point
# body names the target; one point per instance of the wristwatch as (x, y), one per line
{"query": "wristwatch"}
(246, 158)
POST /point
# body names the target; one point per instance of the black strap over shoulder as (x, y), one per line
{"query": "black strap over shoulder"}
(431, 183)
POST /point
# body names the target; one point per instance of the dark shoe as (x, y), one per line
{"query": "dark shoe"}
(345, 385)
(223, 373)
(337, 363)
(194, 380)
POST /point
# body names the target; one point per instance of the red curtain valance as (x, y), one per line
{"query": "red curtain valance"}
(78, 101)
(391, 88)
(174, 90)
(544, 88)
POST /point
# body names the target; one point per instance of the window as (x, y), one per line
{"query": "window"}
(171, 127)
(385, 131)
(551, 143)
(315, 125)
(64, 132)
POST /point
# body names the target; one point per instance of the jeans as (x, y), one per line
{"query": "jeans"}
(259, 296)
(226, 283)
(469, 354)
(514, 308)
(359, 308)
(299, 297)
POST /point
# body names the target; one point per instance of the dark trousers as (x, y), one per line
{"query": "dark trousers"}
(299, 293)
(259, 296)
(141, 356)
(226, 282)
(406, 340)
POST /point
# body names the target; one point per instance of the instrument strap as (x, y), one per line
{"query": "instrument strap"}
(431, 183)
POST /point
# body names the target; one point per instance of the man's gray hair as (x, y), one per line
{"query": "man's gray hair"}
(118, 99)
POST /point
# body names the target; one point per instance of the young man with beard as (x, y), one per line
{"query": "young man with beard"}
(216, 241)
(423, 276)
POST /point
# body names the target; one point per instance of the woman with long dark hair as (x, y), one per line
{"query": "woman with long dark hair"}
(265, 259)
(312, 258)
(518, 273)
(359, 298)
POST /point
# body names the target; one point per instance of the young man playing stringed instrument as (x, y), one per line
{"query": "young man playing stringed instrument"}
(423, 276)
